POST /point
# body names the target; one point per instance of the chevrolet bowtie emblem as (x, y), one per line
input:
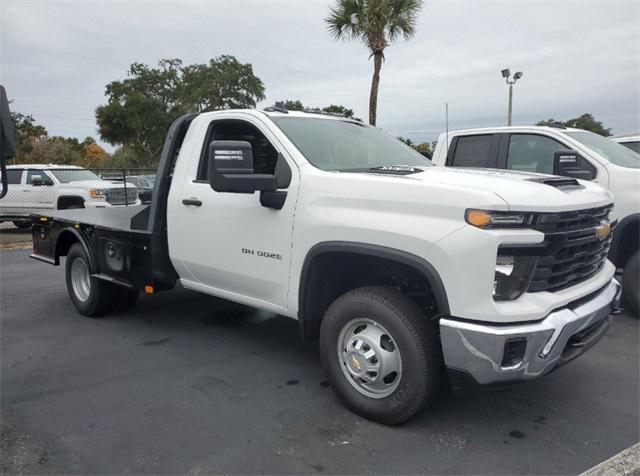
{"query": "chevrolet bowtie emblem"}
(355, 365)
(603, 231)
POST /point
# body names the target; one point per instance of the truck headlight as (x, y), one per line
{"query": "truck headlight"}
(512, 276)
(498, 219)
(99, 193)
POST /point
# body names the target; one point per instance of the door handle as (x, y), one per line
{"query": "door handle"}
(192, 201)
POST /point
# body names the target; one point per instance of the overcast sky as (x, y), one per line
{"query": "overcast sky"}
(57, 56)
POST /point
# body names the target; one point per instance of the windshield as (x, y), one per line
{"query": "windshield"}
(612, 151)
(347, 146)
(74, 175)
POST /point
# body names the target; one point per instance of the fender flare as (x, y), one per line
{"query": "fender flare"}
(416, 262)
(93, 268)
(60, 197)
(622, 229)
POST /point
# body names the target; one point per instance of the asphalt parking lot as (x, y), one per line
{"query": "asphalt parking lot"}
(184, 383)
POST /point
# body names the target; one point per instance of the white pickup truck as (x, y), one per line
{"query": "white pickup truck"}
(567, 152)
(402, 269)
(33, 187)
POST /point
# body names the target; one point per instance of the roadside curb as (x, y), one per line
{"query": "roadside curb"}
(627, 462)
(20, 245)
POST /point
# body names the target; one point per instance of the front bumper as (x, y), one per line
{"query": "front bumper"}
(497, 353)
(104, 204)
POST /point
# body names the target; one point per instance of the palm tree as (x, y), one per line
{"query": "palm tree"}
(376, 23)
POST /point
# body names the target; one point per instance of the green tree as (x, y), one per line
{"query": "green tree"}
(141, 108)
(296, 105)
(27, 133)
(293, 105)
(409, 142)
(377, 23)
(224, 83)
(56, 150)
(126, 156)
(586, 122)
(337, 109)
(426, 148)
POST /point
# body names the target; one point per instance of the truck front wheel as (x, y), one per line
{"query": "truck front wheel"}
(630, 286)
(90, 296)
(381, 354)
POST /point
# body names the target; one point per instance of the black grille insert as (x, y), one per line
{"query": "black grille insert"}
(571, 251)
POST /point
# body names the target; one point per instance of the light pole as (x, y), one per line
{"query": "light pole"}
(506, 74)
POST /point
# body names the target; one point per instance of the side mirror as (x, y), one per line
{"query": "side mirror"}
(231, 168)
(567, 164)
(36, 180)
(7, 140)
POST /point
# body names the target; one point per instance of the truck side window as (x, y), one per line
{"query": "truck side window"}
(474, 151)
(634, 146)
(532, 153)
(46, 180)
(14, 176)
(265, 155)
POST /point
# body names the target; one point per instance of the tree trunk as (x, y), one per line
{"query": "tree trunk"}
(375, 82)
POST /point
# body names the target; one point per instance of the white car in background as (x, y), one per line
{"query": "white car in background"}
(632, 141)
(34, 187)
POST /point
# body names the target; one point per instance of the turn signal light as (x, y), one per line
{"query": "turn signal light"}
(478, 218)
(148, 289)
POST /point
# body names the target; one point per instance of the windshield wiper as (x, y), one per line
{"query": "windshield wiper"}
(394, 169)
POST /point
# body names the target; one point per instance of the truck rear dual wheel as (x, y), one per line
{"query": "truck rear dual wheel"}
(381, 354)
(630, 286)
(93, 297)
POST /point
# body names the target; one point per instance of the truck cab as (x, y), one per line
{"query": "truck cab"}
(544, 150)
(394, 268)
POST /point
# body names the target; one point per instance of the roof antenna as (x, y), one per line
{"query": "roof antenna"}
(446, 123)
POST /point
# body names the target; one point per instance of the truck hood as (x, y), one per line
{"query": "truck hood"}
(86, 184)
(520, 190)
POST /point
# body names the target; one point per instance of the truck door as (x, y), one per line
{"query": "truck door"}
(534, 153)
(40, 196)
(228, 244)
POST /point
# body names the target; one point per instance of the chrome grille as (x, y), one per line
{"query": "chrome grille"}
(116, 196)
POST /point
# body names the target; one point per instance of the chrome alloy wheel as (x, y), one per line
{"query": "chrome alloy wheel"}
(369, 358)
(80, 279)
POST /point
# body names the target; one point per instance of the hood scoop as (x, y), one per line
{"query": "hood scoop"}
(561, 183)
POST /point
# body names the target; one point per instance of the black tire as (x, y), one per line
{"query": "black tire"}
(416, 340)
(125, 298)
(22, 224)
(101, 294)
(630, 285)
